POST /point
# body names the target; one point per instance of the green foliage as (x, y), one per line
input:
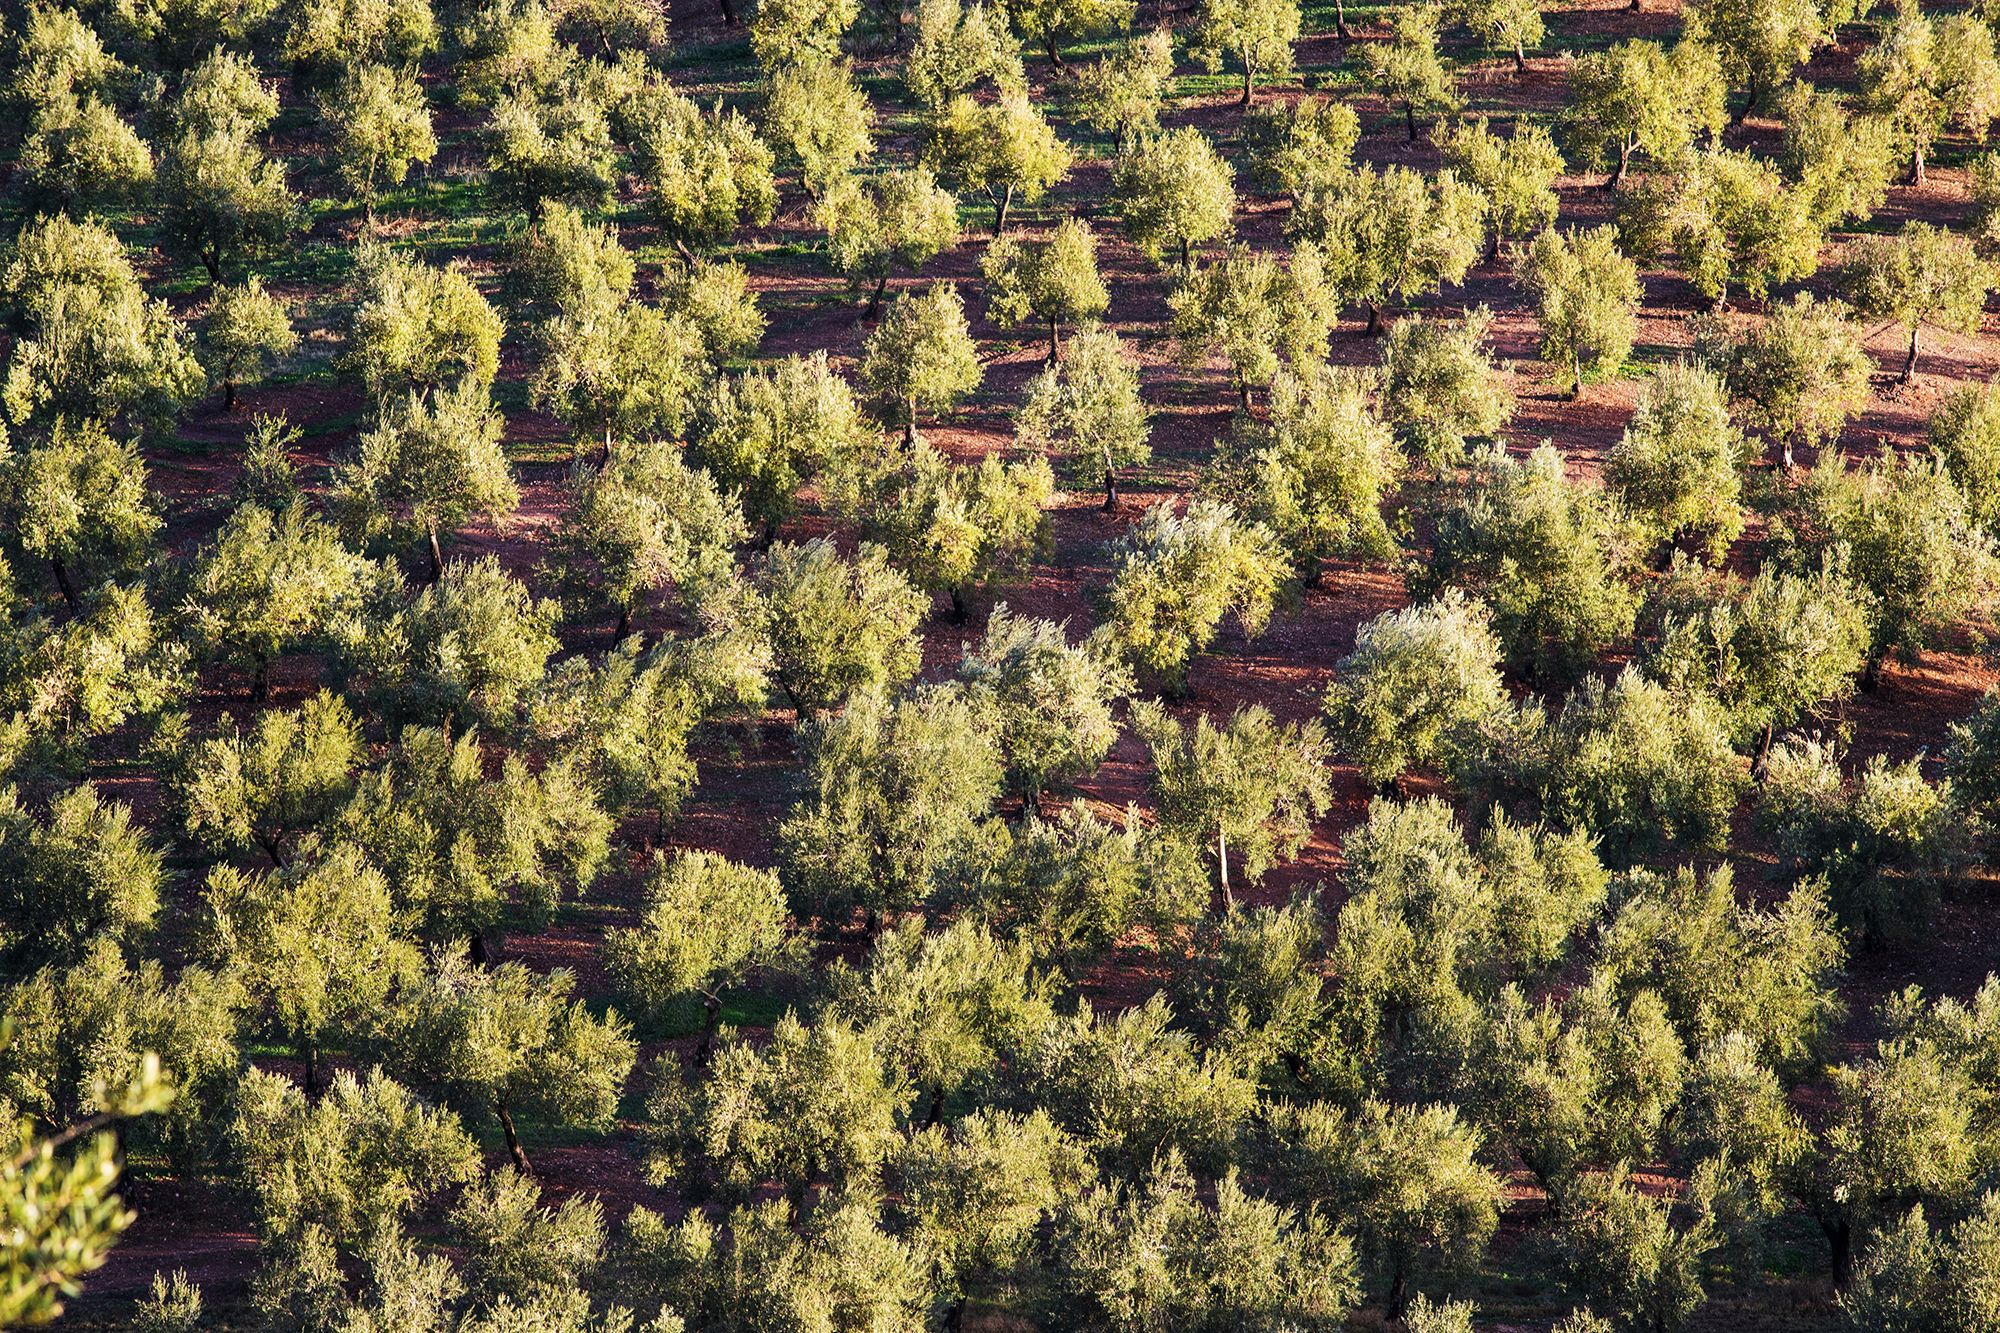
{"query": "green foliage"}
(1677, 465)
(270, 583)
(244, 327)
(1508, 25)
(959, 48)
(1394, 234)
(765, 433)
(1638, 97)
(1253, 986)
(1885, 841)
(1175, 192)
(1517, 174)
(221, 200)
(1912, 545)
(416, 327)
(813, 1104)
(1544, 552)
(1408, 69)
(77, 873)
(62, 1215)
(1004, 148)
(1053, 281)
(270, 788)
(506, 1041)
(1135, 1088)
(548, 148)
(836, 627)
(788, 33)
(1318, 473)
(1120, 92)
(378, 126)
(1416, 677)
(368, 1153)
(91, 344)
(1629, 1252)
(326, 37)
(1799, 375)
(820, 118)
(1926, 75)
(900, 216)
(1840, 161)
(1408, 1180)
(1154, 1255)
(466, 649)
(922, 356)
(1727, 969)
(515, 1248)
(1254, 784)
(1922, 275)
(1176, 576)
(1917, 1276)
(706, 173)
(457, 847)
(1256, 312)
(898, 799)
(1587, 294)
(1055, 22)
(1760, 45)
(1052, 701)
(1256, 35)
(1965, 435)
(431, 462)
(78, 498)
(1731, 218)
(1438, 387)
(708, 922)
(1301, 146)
(1771, 652)
(642, 522)
(1087, 408)
(957, 527)
(315, 945)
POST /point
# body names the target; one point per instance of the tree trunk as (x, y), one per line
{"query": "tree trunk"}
(1576, 376)
(1871, 673)
(1399, 1295)
(475, 949)
(1222, 866)
(1520, 57)
(212, 261)
(1243, 397)
(1000, 211)
(1917, 164)
(1374, 319)
(61, 571)
(875, 298)
(1410, 118)
(1110, 489)
(437, 556)
(1340, 20)
(1493, 252)
(1249, 85)
(309, 1053)
(260, 680)
(936, 1112)
(1750, 95)
(958, 606)
(728, 13)
(229, 394)
(624, 626)
(1840, 1239)
(711, 1019)
(514, 1148)
(1055, 342)
(1055, 56)
(1186, 260)
(1624, 164)
(1910, 361)
(910, 425)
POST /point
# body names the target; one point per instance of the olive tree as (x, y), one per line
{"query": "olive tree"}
(836, 626)
(1256, 34)
(900, 217)
(1415, 678)
(767, 432)
(77, 499)
(1259, 314)
(245, 326)
(1677, 466)
(1054, 282)
(1394, 234)
(1760, 45)
(1087, 408)
(1543, 552)
(1438, 386)
(1929, 74)
(1176, 575)
(273, 786)
(1175, 192)
(76, 873)
(1408, 69)
(959, 527)
(1052, 701)
(922, 355)
(1517, 174)
(378, 127)
(707, 173)
(1587, 294)
(1799, 375)
(1638, 97)
(1254, 784)
(503, 1041)
(822, 120)
(708, 922)
(1922, 275)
